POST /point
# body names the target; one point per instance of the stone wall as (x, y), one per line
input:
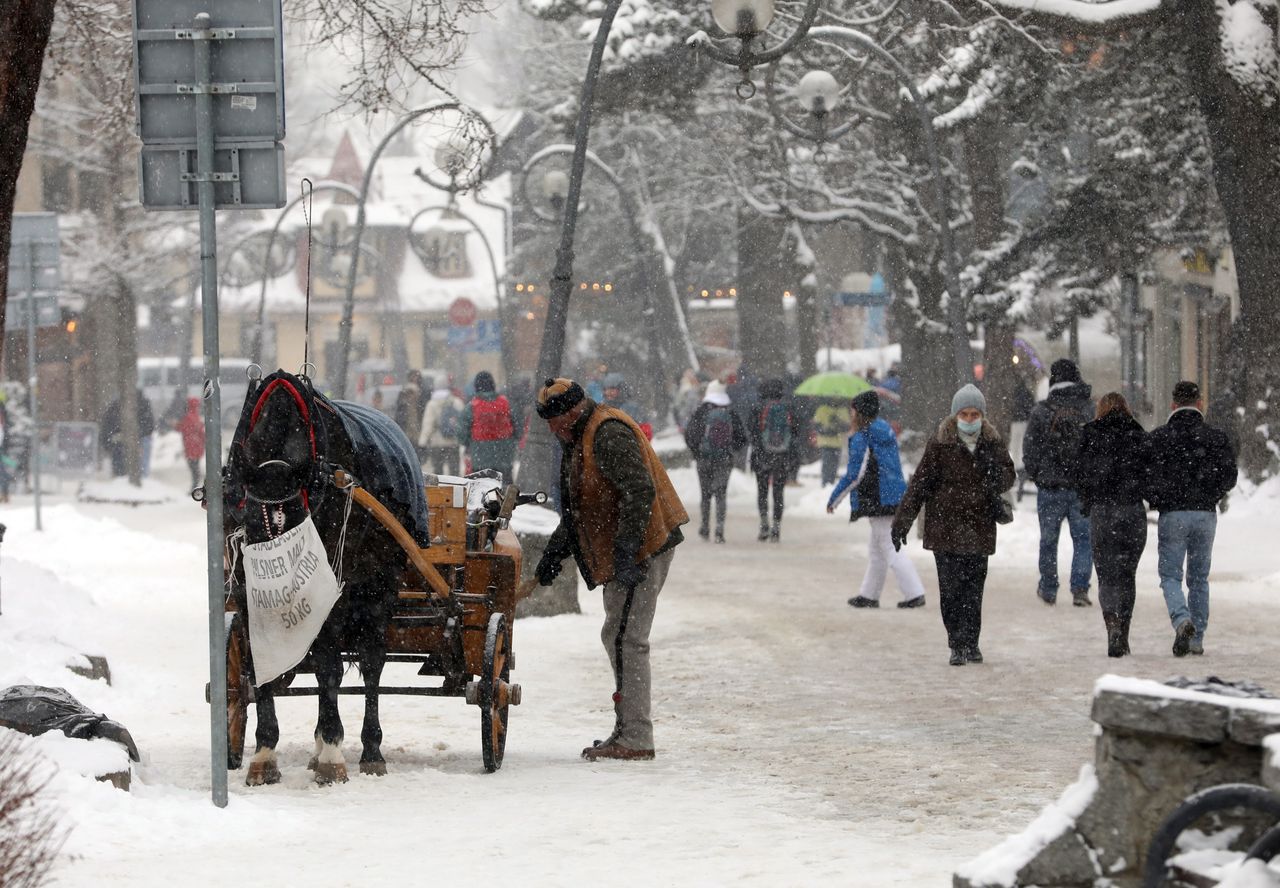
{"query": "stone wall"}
(1156, 745)
(561, 597)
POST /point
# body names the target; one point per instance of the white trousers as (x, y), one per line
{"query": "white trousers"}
(881, 557)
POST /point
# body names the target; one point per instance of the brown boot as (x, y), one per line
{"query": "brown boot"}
(612, 749)
(1117, 639)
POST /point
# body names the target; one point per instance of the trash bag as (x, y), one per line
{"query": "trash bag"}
(34, 710)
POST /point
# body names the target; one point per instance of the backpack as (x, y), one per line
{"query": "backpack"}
(1066, 429)
(775, 427)
(717, 434)
(450, 423)
(491, 420)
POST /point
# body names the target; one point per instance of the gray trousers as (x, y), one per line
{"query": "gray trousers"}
(633, 727)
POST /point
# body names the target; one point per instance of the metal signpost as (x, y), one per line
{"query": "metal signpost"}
(35, 271)
(212, 120)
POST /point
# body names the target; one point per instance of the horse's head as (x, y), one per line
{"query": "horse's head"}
(276, 456)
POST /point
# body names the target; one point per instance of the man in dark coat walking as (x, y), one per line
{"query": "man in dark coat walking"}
(1190, 468)
(1050, 452)
(620, 519)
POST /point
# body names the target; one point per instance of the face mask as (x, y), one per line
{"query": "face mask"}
(969, 428)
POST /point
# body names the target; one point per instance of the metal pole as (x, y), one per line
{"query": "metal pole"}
(33, 452)
(212, 412)
(348, 303)
(271, 245)
(2, 530)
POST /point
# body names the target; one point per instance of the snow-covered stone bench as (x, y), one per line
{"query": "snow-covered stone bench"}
(1156, 745)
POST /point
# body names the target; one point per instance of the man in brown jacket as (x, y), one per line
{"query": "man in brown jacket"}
(621, 522)
(965, 468)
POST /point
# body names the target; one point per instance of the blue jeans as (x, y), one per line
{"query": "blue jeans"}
(1054, 507)
(1187, 536)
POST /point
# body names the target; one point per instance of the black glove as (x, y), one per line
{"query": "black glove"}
(626, 570)
(898, 534)
(549, 567)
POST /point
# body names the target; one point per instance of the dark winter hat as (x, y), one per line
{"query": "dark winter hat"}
(558, 396)
(1186, 393)
(484, 382)
(773, 388)
(1063, 370)
(867, 404)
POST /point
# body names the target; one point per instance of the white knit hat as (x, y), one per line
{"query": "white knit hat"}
(716, 394)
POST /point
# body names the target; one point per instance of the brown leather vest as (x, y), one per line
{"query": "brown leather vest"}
(595, 501)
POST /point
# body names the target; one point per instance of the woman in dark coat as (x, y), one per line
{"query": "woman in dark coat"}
(1110, 488)
(965, 468)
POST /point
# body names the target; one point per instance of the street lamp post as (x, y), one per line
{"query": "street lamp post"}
(746, 20)
(555, 188)
(348, 304)
(342, 187)
(819, 92)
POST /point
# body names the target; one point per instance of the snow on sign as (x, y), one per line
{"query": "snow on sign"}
(291, 590)
(462, 312)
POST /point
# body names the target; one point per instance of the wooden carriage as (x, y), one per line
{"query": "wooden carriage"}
(454, 616)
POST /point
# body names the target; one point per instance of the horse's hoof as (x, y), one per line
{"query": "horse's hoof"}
(262, 773)
(311, 765)
(330, 772)
(376, 769)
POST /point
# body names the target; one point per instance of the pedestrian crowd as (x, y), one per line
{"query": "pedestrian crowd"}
(1093, 467)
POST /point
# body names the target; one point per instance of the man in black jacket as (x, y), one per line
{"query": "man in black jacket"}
(1050, 452)
(1189, 470)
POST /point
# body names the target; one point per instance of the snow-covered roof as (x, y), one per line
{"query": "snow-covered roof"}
(404, 195)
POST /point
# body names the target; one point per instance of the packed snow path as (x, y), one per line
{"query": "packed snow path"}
(800, 741)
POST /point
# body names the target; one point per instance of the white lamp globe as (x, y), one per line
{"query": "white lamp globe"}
(555, 185)
(818, 91)
(454, 154)
(745, 18)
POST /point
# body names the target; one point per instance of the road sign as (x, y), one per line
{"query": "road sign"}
(47, 312)
(481, 336)
(252, 176)
(240, 74)
(246, 70)
(33, 253)
(462, 312)
(860, 289)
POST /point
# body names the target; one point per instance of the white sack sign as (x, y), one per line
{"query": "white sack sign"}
(291, 591)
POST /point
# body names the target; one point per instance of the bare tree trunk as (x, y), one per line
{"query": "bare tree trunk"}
(762, 277)
(928, 370)
(24, 32)
(1244, 131)
(986, 194)
(805, 288)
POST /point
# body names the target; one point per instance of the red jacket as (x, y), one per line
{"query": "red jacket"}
(192, 428)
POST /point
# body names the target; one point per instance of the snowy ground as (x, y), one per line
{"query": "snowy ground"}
(800, 742)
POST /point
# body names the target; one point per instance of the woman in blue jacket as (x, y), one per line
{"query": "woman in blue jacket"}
(875, 485)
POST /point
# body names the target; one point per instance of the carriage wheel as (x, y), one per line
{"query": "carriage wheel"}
(238, 690)
(495, 693)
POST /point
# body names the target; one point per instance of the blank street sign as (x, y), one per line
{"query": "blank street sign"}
(259, 166)
(247, 70)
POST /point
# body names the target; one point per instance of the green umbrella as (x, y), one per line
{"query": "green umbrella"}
(833, 385)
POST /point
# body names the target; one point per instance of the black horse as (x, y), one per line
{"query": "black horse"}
(281, 468)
